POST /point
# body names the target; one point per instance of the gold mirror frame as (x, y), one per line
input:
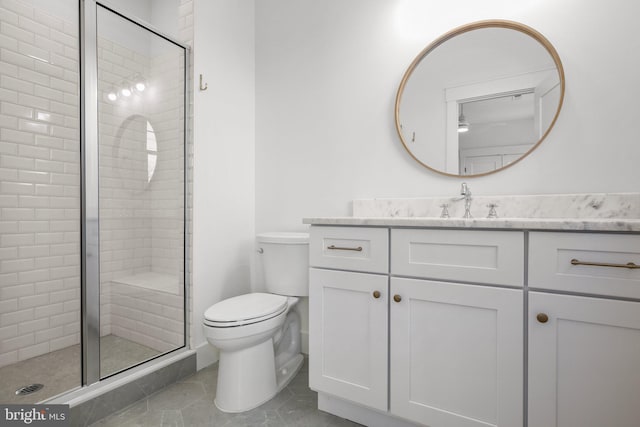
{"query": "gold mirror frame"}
(494, 23)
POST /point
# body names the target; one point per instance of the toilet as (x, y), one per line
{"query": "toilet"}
(258, 334)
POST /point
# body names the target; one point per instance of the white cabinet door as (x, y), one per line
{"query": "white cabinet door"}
(583, 362)
(456, 354)
(348, 335)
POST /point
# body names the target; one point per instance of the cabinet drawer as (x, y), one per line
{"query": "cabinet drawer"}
(494, 257)
(350, 248)
(561, 261)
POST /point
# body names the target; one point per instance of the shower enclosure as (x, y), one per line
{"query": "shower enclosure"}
(92, 194)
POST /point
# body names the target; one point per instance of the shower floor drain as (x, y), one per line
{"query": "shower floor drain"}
(28, 389)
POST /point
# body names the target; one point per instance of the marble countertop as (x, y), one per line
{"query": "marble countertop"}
(566, 224)
(613, 212)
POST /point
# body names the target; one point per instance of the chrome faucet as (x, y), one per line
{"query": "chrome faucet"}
(445, 211)
(466, 195)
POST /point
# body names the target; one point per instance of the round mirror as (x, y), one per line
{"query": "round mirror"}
(137, 150)
(480, 98)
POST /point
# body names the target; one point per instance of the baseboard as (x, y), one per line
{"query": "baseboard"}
(206, 355)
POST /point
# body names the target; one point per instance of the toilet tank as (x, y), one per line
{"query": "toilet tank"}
(285, 262)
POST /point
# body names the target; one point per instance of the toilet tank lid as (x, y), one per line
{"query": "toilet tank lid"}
(283, 237)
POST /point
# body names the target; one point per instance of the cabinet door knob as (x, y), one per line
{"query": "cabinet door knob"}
(542, 318)
(376, 294)
(397, 298)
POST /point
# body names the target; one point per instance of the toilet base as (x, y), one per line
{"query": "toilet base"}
(248, 378)
(288, 371)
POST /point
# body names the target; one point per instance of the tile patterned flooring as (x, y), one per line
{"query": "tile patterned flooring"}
(189, 403)
(59, 370)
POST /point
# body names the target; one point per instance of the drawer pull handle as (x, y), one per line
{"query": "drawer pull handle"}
(397, 298)
(341, 248)
(542, 318)
(604, 264)
(376, 294)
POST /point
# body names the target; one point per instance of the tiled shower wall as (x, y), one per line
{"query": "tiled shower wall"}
(123, 162)
(39, 183)
(185, 35)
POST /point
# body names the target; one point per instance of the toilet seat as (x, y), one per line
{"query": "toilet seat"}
(245, 310)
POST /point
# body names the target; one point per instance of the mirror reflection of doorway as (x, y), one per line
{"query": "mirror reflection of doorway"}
(500, 130)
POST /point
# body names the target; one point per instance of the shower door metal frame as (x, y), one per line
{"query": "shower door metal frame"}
(89, 161)
(90, 244)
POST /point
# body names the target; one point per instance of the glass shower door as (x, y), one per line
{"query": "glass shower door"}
(141, 139)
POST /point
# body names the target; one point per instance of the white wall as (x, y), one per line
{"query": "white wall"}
(326, 79)
(224, 127)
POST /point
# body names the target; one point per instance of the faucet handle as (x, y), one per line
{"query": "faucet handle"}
(445, 211)
(492, 210)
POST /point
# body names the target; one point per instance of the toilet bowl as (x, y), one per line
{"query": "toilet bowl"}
(258, 334)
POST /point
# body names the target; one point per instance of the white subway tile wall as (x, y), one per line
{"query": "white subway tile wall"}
(185, 35)
(39, 183)
(151, 318)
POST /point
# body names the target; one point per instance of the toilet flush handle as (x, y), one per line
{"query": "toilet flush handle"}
(260, 250)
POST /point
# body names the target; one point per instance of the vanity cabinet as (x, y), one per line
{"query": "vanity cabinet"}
(413, 340)
(584, 343)
(427, 326)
